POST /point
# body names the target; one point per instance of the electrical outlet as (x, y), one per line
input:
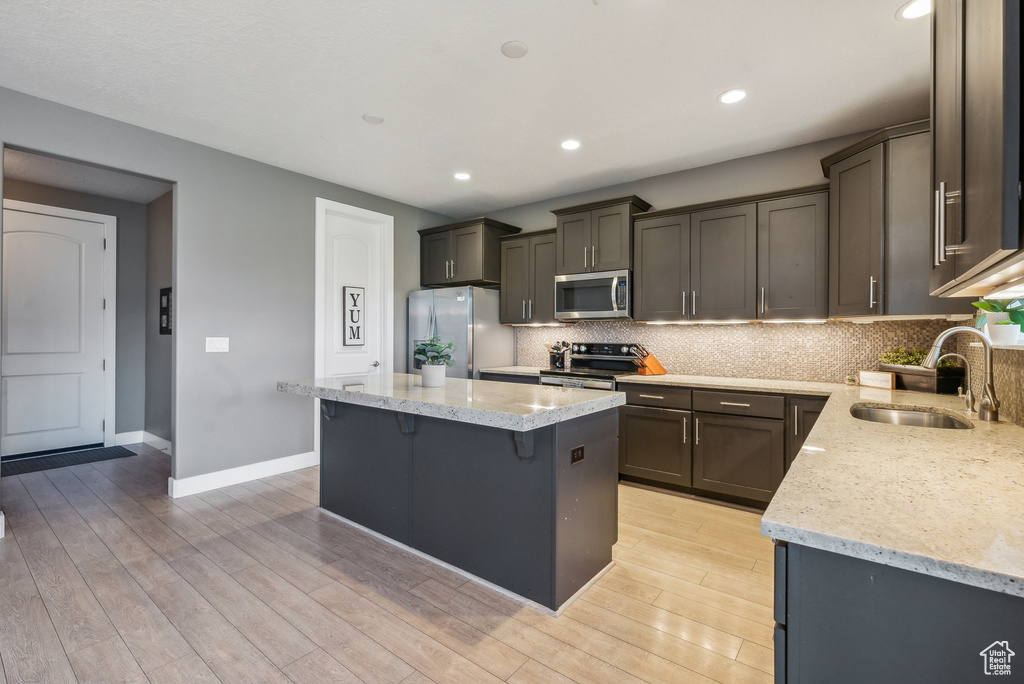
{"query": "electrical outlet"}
(217, 344)
(577, 455)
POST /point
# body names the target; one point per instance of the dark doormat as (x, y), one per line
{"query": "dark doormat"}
(31, 465)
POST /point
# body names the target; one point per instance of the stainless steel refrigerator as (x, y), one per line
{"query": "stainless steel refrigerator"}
(467, 316)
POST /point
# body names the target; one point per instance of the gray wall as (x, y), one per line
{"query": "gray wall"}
(243, 268)
(131, 283)
(159, 348)
(786, 169)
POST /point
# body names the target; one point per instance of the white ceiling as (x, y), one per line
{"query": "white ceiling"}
(68, 175)
(635, 80)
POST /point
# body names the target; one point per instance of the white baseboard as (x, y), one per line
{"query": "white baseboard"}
(187, 486)
(158, 443)
(122, 438)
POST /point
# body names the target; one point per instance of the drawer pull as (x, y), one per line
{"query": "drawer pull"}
(684, 430)
(696, 431)
(650, 396)
(733, 403)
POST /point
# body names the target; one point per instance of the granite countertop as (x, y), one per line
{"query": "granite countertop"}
(515, 370)
(494, 404)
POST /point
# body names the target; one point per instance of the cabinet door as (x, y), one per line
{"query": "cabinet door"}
(654, 444)
(573, 235)
(792, 257)
(738, 455)
(542, 279)
(947, 137)
(515, 279)
(434, 259)
(661, 279)
(467, 264)
(991, 228)
(855, 218)
(610, 236)
(723, 263)
(801, 414)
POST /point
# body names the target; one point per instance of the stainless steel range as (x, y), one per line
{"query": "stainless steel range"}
(593, 365)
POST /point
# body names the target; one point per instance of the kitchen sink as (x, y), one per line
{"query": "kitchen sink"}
(899, 415)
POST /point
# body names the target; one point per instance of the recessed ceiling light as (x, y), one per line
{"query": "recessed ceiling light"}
(514, 49)
(461, 175)
(914, 9)
(731, 96)
(571, 145)
(373, 119)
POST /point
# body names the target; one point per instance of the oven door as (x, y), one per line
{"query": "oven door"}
(601, 295)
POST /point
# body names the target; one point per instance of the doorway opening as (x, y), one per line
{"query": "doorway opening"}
(57, 215)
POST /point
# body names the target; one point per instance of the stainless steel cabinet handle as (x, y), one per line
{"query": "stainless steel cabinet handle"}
(696, 431)
(585, 258)
(593, 258)
(530, 317)
(684, 430)
(733, 403)
(762, 300)
(796, 421)
(524, 309)
(871, 296)
(684, 303)
(951, 197)
(693, 304)
(453, 269)
(650, 396)
(938, 212)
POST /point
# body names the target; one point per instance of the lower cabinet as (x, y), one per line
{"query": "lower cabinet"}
(738, 455)
(654, 444)
(801, 414)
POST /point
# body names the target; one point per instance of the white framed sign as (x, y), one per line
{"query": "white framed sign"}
(352, 322)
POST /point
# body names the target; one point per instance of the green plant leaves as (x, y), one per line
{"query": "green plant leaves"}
(433, 353)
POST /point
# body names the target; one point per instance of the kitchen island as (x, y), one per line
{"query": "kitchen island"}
(514, 484)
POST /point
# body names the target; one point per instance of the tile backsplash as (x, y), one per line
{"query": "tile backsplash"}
(825, 352)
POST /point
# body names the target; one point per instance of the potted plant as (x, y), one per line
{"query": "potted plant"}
(434, 357)
(1001, 319)
(906, 364)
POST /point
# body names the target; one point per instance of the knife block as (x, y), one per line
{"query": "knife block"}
(652, 366)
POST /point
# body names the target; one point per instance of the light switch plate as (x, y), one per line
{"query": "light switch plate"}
(217, 344)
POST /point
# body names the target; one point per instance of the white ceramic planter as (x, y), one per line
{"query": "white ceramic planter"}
(1003, 334)
(433, 376)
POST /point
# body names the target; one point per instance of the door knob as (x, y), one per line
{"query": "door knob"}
(375, 364)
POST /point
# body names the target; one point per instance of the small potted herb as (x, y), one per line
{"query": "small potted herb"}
(434, 357)
(1002, 319)
(906, 364)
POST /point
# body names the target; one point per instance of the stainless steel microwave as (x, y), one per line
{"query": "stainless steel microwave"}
(582, 296)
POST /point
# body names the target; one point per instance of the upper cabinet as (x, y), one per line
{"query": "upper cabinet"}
(977, 239)
(764, 258)
(528, 278)
(596, 236)
(880, 231)
(466, 253)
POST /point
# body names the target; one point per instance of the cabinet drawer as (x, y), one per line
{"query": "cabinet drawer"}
(658, 396)
(739, 403)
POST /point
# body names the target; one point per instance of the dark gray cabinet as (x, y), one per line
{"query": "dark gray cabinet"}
(976, 66)
(845, 619)
(466, 253)
(880, 234)
(661, 277)
(528, 278)
(801, 414)
(723, 263)
(792, 257)
(654, 444)
(596, 236)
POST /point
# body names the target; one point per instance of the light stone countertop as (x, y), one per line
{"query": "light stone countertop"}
(947, 503)
(502, 405)
(515, 370)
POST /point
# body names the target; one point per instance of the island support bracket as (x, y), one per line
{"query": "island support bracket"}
(406, 423)
(524, 446)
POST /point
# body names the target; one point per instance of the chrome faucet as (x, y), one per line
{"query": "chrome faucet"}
(989, 409)
(968, 393)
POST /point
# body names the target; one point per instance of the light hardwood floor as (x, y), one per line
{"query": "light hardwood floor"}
(104, 578)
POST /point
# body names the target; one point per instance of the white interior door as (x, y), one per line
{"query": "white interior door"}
(53, 369)
(354, 250)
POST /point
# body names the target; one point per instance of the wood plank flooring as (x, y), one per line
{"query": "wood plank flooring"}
(104, 578)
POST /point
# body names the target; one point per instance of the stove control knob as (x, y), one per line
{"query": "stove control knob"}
(583, 348)
(625, 350)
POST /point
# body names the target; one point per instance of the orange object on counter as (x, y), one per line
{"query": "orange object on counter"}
(652, 366)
